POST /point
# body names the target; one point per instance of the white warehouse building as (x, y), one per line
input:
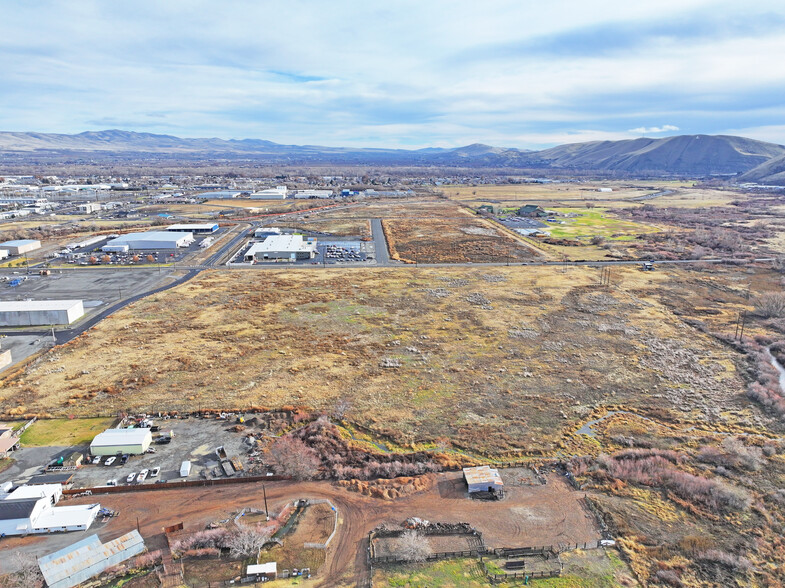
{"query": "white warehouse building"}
(150, 240)
(28, 313)
(114, 441)
(193, 228)
(289, 247)
(20, 246)
(277, 193)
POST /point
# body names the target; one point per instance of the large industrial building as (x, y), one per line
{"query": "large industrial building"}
(193, 228)
(277, 193)
(31, 509)
(114, 441)
(28, 313)
(89, 557)
(150, 240)
(20, 246)
(89, 207)
(289, 247)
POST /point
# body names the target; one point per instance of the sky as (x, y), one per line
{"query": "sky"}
(400, 73)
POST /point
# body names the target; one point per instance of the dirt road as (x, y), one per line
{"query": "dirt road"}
(529, 515)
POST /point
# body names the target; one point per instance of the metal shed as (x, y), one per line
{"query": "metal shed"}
(484, 479)
(114, 441)
(81, 561)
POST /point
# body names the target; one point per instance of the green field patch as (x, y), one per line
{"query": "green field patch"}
(63, 432)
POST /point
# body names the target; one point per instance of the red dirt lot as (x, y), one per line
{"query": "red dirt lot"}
(528, 515)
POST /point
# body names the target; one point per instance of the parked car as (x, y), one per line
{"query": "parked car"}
(142, 476)
(111, 482)
(97, 460)
(124, 458)
(155, 472)
(131, 477)
(110, 461)
(150, 450)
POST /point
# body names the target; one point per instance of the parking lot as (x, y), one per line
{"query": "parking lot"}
(193, 440)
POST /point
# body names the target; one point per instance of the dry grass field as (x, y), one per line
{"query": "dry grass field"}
(494, 360)
(578, 194)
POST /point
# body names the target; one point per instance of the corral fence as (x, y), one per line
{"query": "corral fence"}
(436, 531)
(173, 485)
(335, 524)
(500, 578)
(23, 428)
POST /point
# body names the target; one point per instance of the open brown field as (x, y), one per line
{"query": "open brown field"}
(340, 227)
(454, 240)
(580, 193)
(492, 360)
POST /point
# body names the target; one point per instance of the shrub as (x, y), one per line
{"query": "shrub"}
(668, 577)
(729, 560)
(770, 305)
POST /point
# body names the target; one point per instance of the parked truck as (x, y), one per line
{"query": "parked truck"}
(221, 453)
(185, 469)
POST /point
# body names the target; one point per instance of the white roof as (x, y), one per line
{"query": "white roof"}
(283, 243)
(39, 491)
(19, 242)
(195, 227)
(265, 568)
(122, 437)
(67, 516)
(33, 305)
(148, 236)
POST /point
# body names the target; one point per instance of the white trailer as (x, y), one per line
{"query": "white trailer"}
(185, 469)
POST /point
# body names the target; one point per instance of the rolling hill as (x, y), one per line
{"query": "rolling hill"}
(695, 155)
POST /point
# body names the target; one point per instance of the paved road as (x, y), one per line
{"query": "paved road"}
(380, 243)
(65, 335)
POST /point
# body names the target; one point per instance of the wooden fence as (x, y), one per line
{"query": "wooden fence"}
(499, 578)
(174, 485)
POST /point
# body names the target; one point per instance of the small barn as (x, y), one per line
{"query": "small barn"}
(263, 572)
(484, 480)
(114, 441)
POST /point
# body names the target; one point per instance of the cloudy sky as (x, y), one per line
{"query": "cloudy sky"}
(399, 73)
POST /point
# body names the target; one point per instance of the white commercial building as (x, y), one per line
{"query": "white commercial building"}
(277, 193)
(289, 247)
(114, 441)
(20, 246)
(89, 207)
(27, 313)
(193, 228)
(3, 253)
(31, 509)
(151, 240)
(313, 194)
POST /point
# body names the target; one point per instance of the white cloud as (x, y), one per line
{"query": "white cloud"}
(653, 130)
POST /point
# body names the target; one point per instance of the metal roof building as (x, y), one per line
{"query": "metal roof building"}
(152, 240)
(89, 557)
(483, 479)
(193, 228)
(114, 441)
(289, 247)
(26, 313)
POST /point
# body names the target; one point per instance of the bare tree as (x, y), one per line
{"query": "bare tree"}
(294, 458)
(28, 574)
(413, 547)
(247, 541)
(341, 407)
(770, 305)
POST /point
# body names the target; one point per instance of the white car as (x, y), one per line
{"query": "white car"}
(111, 482)
(110, 461)
(155, 472)
(130, 477)
(97, 460)
(142, 476)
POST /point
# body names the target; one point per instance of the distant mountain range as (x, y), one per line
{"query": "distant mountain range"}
(693, 155)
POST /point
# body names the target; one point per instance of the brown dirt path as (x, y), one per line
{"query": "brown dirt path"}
(528, 516)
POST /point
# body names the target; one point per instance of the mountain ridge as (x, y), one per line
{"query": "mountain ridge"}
(679, 154)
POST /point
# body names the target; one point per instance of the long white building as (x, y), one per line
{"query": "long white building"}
(151, 240)
(28, 313)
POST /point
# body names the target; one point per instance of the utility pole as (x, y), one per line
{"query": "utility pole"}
(743, 323)
(738, 322)
(266, 512)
